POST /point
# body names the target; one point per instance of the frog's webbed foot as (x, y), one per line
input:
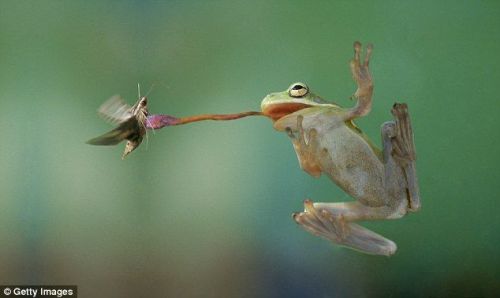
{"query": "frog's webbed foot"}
(361, 75)
(403, 151)
(335, 228)
(307, 147)
(402, 142)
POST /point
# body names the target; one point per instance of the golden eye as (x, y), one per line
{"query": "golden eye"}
(298, 90)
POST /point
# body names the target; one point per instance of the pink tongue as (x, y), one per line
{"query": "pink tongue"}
(159, 121)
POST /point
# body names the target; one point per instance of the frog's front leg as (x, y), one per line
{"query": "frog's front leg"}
(361, 75)
(307, 148)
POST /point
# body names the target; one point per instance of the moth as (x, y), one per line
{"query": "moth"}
(131, 121)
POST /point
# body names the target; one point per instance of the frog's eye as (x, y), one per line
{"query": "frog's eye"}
(298, 90)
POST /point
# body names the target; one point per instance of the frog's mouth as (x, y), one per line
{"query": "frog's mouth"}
(277, 111)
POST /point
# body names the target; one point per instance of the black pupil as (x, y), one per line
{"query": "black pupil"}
(297, 87)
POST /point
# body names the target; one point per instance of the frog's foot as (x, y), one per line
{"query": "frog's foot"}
(361, 75)
(403, 151)
(402, 141)
(360, 69)
(307, 147)
(323, 223)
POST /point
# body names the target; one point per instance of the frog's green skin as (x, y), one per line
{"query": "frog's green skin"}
(326, 140)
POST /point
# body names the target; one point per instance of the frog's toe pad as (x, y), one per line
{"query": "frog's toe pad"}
(322, 223)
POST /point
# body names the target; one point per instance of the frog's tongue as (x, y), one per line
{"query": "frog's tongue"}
(160, 121)
(278, 111)
(274, 112)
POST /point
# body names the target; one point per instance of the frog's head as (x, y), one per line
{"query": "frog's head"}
(295, 98)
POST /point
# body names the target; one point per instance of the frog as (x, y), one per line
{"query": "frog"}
(382, 182)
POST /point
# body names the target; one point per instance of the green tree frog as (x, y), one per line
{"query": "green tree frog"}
(326, 140)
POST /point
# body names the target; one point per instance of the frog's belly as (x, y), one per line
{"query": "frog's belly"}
(353, 166)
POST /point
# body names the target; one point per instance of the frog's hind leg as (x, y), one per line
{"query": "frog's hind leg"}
(398, 144)
(335, 228)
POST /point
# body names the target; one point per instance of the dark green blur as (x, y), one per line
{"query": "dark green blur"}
(203, 210)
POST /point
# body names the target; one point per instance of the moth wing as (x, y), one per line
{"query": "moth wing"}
(115, 136)
(115, 110)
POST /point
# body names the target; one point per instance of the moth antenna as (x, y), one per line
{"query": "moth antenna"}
(162, 84)
(150, 89)
(139, 89)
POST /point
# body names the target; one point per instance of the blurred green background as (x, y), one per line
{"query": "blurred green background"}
(203, 210)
